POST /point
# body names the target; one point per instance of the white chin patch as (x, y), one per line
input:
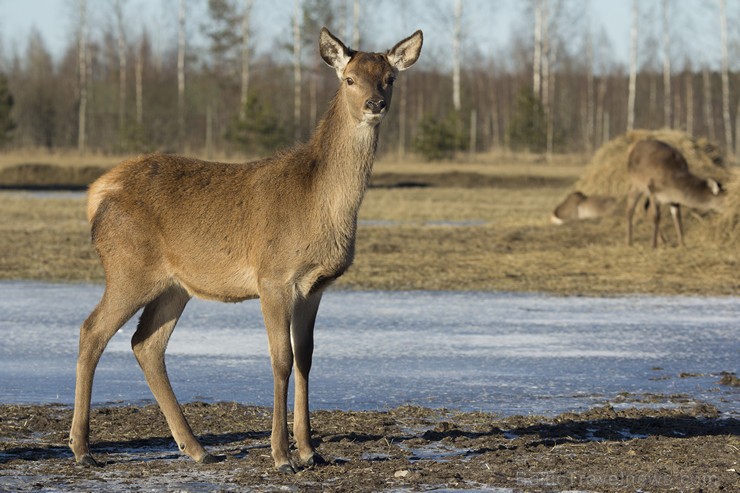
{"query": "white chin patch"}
(372, 118)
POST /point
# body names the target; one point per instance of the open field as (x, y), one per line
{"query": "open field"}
(479, 225)
(448, 226)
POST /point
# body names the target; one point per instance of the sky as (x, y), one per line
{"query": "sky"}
(488, 23)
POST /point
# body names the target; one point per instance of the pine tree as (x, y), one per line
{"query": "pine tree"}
(6, 105)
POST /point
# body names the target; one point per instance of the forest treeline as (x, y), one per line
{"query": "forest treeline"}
(112, 92)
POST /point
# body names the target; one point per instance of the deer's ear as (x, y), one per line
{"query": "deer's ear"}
(406, 52)
(333, 51)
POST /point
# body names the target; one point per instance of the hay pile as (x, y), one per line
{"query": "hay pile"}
(727, 226)
(606, 174)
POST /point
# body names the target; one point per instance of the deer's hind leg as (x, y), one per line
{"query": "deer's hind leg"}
(149, 343)
(117, 305)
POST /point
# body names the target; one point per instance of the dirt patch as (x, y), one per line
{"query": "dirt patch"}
(40, 176)
(403, 449)
(465, 179)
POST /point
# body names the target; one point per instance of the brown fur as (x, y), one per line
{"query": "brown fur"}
(167, 228)
(660, 171)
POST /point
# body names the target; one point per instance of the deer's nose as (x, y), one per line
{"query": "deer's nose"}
(376, 105)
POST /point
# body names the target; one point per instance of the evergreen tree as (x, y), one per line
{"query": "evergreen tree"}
(439, 138)
(528, 126)
(6, 105)
(261, 133)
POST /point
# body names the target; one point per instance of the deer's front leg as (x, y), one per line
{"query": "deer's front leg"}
(277, 310)
(301, 331)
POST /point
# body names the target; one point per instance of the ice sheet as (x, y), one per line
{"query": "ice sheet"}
(498, 352)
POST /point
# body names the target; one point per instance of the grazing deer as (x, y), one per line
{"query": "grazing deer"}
(577, 205)
(659, 171)
(281, 229)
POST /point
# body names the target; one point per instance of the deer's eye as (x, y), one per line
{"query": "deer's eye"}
(390, 80)
(350, 81)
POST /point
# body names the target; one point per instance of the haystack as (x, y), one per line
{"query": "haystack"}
(727, 226)
(606, 174)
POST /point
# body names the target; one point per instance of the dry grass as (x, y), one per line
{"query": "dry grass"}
(443, 237)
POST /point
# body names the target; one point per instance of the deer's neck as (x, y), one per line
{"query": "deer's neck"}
(344, 154)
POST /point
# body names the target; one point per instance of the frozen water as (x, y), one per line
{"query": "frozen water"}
(498, 352)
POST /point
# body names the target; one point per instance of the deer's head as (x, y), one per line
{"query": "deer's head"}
(367, 78)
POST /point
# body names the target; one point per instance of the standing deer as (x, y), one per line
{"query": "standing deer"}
(281, 229)
(661, 172)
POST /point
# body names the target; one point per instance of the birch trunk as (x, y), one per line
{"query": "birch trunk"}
(118, 8)
(82, 60)
(708, 106)
(589, 128)
(689, 82)
(246, 15)
(633, 69)
(666, 68)
(139, 72)
(356, 25)
(456, 57)
(297, 96)
(181, 76)
(537, 59)
(725, 78)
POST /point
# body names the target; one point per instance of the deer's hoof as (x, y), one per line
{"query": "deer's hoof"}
(88, 460)
(211, 459)
(315, 460)
(286, 469)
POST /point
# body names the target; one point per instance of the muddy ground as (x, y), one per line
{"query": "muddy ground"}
(644, 443)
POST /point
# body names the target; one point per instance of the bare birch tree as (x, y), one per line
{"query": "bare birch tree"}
(547, 58)
(403, 103)
(356, 25)
(633, 69)
(246, 15)
(181, 76)
(725, 77)
(588, 134)
(689, 89)
(297, 83)
(708, 106)
(666, 66)
(121, 35)
(139, 83)
(456, 102)
(82, 61)
(537, 58)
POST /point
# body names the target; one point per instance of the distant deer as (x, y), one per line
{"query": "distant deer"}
(577, 205)
(281, 229)
(659, 171)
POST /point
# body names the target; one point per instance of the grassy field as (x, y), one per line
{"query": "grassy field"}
(478, 225)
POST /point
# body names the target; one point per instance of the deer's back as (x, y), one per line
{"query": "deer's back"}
(657, 162)
(210, 224)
